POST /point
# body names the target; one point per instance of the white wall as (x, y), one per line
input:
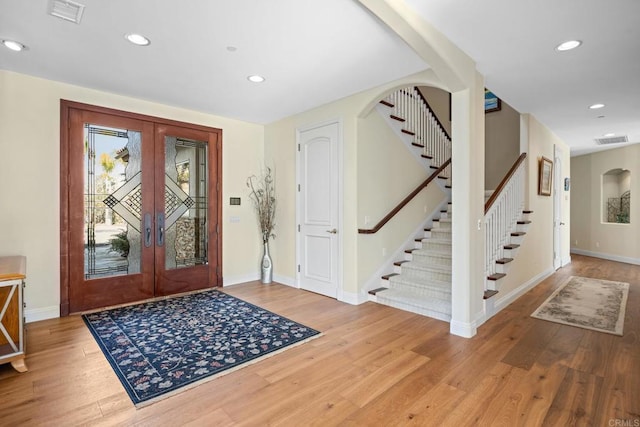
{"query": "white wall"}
(589, 234)
(30, 169)
(502, 144)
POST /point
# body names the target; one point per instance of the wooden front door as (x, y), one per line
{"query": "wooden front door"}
(140, 207)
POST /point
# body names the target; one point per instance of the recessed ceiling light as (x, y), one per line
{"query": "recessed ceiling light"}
(568, 45)
(610, 134)
(255, 78)
(596, 106)
(601, 117)
(13, 45)
(232, 48)
(138, 39)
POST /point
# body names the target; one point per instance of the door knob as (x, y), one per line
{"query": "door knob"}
(334, 231)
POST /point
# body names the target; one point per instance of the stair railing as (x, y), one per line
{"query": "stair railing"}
(501, 213)
(405, 201)
(409, 104)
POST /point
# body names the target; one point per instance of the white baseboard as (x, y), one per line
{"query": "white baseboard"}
(43, 313)
(610, 257)
(463, 329)
(352, 298)
(519, 291)
(285, 280)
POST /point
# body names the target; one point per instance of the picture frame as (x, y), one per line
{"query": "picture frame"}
(491, 102)
(545, 176)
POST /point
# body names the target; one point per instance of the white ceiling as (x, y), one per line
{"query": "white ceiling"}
(513, 45)
(316, 51)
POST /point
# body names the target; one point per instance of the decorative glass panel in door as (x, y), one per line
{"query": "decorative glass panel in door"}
(110, 210)
(113, 217)
(183, 218)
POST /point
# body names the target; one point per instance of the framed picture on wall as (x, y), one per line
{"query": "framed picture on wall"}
(545, 175)
(491, 102)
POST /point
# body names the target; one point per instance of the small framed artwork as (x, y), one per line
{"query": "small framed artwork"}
(491, 102)
(545, 175)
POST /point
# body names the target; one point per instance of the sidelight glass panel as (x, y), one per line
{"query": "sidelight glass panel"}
(185, 200)
(112, 201)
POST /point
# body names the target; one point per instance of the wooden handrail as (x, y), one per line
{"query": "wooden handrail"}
(504, 181)
(433, 112)
(404, 201)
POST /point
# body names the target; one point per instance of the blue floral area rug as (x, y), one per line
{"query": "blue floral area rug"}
(163, 347)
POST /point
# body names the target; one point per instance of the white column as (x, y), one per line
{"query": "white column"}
(468, 209)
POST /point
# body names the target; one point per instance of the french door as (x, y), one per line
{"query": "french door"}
(140, 207)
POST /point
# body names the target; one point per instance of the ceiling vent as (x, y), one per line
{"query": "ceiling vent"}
(67, 10)
(612, 140)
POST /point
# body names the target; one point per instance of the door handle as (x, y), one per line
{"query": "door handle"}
(147, 230)
(160, 229)
(334, 231)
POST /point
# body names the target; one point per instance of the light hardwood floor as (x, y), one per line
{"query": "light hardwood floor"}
(373, 366)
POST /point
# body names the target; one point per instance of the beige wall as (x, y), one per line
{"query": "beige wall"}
(440, 102)
(534, 259)
(502, 144)
(280, 148)
(29, 180)
(589, 234)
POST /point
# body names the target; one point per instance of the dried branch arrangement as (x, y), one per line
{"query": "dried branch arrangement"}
(263, 195)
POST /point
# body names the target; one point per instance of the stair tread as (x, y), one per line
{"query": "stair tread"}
(400, 262)
(426, 156)
(408, 132)
(388, 276)
(434, 284)
(427, 267)
(524, 222)
(489, 294)
(375, 291)
(387, 103)
(496, 276)
(504, 260)
(416, 144)
(518, 233)
(431, 252)
(394, 117)
(511, 246)
(527, 212)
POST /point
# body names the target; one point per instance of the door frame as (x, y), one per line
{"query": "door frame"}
(339, 203)
(557, 207)
(65, 108)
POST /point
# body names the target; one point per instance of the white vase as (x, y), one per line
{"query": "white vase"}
(266, 273)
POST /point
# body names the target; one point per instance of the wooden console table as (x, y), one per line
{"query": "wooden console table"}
(12, 346)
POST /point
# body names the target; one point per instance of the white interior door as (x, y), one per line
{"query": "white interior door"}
(318, 209)
(557, 208)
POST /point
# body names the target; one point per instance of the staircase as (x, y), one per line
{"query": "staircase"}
(421, 283)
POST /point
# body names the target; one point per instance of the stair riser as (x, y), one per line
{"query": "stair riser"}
(436, 246)
(425, 275)
(419, 310)
(426, 293)
(442, 234)
(442, 225)
(428, 259)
